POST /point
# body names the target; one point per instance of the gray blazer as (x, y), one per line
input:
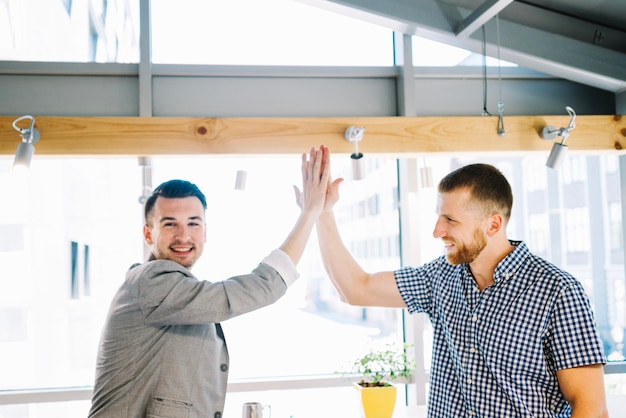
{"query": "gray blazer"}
(162, 352)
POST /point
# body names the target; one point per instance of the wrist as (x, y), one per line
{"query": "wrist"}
(326, 215)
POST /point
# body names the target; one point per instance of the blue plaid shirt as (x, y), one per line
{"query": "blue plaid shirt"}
(496, 352)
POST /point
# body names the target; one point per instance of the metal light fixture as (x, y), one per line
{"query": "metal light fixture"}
(240, 180)
(354, 135)
(558, 149)
(146, 178)
(426, 175)
(25, 149)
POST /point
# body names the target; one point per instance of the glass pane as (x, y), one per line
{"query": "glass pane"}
(72, 227)
(271, 32)
(69, 31)
(67, 234)
(428, 53)
(75, 409)
(243, 227)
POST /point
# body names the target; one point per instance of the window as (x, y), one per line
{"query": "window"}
(242, 227)
(52, 315)
(577, 233)
(73, 228)
(616, 241)
(574, 169)
(236, 32)
(538, 227)
(272, 32)
(603, 279)
(69, 31)
(535, 181)
(429, 53)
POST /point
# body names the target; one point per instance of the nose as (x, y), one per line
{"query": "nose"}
(439, 231)
(182, 233)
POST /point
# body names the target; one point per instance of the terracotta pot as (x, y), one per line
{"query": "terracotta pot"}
(376, 402)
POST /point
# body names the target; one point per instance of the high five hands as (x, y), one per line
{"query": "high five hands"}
(320, 192)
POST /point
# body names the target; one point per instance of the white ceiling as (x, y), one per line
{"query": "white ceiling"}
(578, 40)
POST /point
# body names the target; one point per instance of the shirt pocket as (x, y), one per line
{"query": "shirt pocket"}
(168, 408)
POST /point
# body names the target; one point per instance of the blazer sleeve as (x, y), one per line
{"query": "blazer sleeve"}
(169, 294)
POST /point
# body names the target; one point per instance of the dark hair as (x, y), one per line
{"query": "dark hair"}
(173, 189)
(487, 185)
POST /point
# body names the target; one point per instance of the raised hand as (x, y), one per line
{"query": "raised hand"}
(315, 177)
(316, 165)
(312, 199)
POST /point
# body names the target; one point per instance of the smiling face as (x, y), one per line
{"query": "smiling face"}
(460, 225)
(176, 230)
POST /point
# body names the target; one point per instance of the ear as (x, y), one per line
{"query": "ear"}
(147, 234)
(495, 223)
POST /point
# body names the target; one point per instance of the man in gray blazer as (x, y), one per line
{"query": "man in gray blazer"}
(162, 352)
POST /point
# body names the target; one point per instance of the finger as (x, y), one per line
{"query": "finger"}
(325, 164)
(317, 167)
(312, 159)
(304, 168)
(334, 185)
(298, 194)
(337, 182)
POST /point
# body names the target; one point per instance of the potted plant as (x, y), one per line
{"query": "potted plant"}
(378, 369)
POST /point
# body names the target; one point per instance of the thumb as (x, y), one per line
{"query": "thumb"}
(335, 183)
(298, 195)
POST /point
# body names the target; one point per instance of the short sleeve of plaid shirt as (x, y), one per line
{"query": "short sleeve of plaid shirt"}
(570, 339)
(496, 352)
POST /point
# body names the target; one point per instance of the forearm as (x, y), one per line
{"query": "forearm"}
(296, 241)
(599, 411)
(340, 265)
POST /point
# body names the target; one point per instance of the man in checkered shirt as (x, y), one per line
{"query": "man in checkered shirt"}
(514, 336)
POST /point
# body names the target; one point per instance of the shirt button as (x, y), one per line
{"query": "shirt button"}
(470, 381)
(224, 367)
(474, 318)
(472, 350)
(471, 413)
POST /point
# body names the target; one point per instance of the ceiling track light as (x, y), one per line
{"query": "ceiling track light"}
(240, 180)
(549, 132)
(354, 135)
(26, 148)
(146, 178)
(426, 175)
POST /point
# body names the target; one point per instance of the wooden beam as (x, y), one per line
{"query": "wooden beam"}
(135, 136)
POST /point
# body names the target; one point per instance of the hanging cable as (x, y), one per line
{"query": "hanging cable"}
(484, 45)
(501, 131)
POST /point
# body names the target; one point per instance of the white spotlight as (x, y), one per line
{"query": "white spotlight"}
(354, 135)
(25, 149)
(240, 180)
(558, 149)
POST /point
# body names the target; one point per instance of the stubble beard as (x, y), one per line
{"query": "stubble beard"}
(468, 253)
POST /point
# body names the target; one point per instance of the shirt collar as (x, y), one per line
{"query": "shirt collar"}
(512, 262)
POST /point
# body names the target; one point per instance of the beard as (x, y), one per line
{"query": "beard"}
(466, 253)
